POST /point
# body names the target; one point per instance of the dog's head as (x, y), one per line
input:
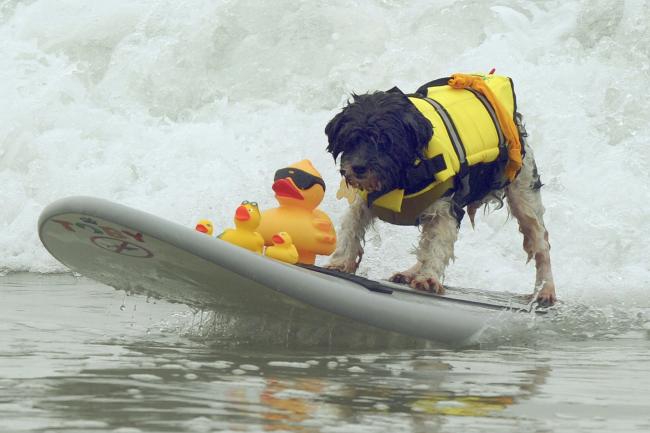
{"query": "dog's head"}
(377, 136)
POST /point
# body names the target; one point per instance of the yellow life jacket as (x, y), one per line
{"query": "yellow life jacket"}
(468, 138)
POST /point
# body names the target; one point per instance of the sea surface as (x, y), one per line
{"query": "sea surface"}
(186, 108)
(77, 356)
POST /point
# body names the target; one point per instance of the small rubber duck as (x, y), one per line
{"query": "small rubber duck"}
(299, 189)
(283, 249)
(247, 218)
(205, 226)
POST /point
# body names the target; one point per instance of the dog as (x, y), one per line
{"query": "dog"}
(382, 138)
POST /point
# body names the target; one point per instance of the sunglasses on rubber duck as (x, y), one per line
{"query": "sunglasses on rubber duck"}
(302, 179)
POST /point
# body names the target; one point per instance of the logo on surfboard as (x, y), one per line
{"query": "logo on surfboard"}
(121, 247)
(109, 238)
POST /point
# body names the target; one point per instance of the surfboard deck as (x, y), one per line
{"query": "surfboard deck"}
(141, 253)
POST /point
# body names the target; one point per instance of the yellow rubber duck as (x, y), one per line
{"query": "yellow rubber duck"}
(247, 218)
(283, 249)
(205, 226)
(299, 189)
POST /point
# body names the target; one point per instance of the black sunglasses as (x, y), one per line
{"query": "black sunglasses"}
(302, 179)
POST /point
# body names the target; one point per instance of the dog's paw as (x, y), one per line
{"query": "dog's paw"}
(349, 266)
(427, 284)
(405, 277)
(401, 278)
(546, 296)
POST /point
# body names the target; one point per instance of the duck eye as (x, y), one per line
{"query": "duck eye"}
(244, 202)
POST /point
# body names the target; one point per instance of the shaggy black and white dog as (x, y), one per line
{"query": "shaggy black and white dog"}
(378, 136)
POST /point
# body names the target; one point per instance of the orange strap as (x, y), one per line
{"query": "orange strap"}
(476, 82)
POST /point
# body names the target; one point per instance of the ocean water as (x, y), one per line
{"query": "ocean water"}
(186, 108)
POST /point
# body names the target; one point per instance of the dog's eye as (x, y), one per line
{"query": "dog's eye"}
(359, 169)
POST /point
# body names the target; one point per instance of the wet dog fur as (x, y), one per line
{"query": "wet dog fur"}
(377, 137)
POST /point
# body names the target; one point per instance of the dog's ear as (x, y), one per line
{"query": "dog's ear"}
(332, 129)
(418, 129)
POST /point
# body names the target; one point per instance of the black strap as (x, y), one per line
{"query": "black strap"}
(374, 196)
(371, 285)
(416, 177)
(423, 90)
(419, 176)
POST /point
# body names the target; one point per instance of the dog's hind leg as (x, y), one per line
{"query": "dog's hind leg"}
(525, 203)
(350, 237)
(435, 249)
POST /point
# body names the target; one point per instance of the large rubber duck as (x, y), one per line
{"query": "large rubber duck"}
(247, 219)
(283, 248)
(299, 189)
(205, 226)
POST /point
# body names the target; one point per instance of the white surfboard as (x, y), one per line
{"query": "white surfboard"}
(141, 253)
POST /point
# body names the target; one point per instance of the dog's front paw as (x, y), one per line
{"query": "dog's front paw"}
(402, 277)
(427, 284)
(405, 277)
(348, 266)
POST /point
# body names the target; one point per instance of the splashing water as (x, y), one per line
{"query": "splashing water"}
(185, 108)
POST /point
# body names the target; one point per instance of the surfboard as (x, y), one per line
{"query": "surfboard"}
(144, 254)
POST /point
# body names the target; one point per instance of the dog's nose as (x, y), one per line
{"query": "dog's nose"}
(359, 170)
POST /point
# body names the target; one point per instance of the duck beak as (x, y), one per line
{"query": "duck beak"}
(277, 239)
(201, 228)
(242, 214)
(286, 188)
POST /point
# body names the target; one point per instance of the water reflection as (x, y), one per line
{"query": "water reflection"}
(185, 388)
(290, 403)
(72, 361)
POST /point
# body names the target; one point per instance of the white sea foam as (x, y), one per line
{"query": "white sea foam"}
(288, 364)
(186, 108)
